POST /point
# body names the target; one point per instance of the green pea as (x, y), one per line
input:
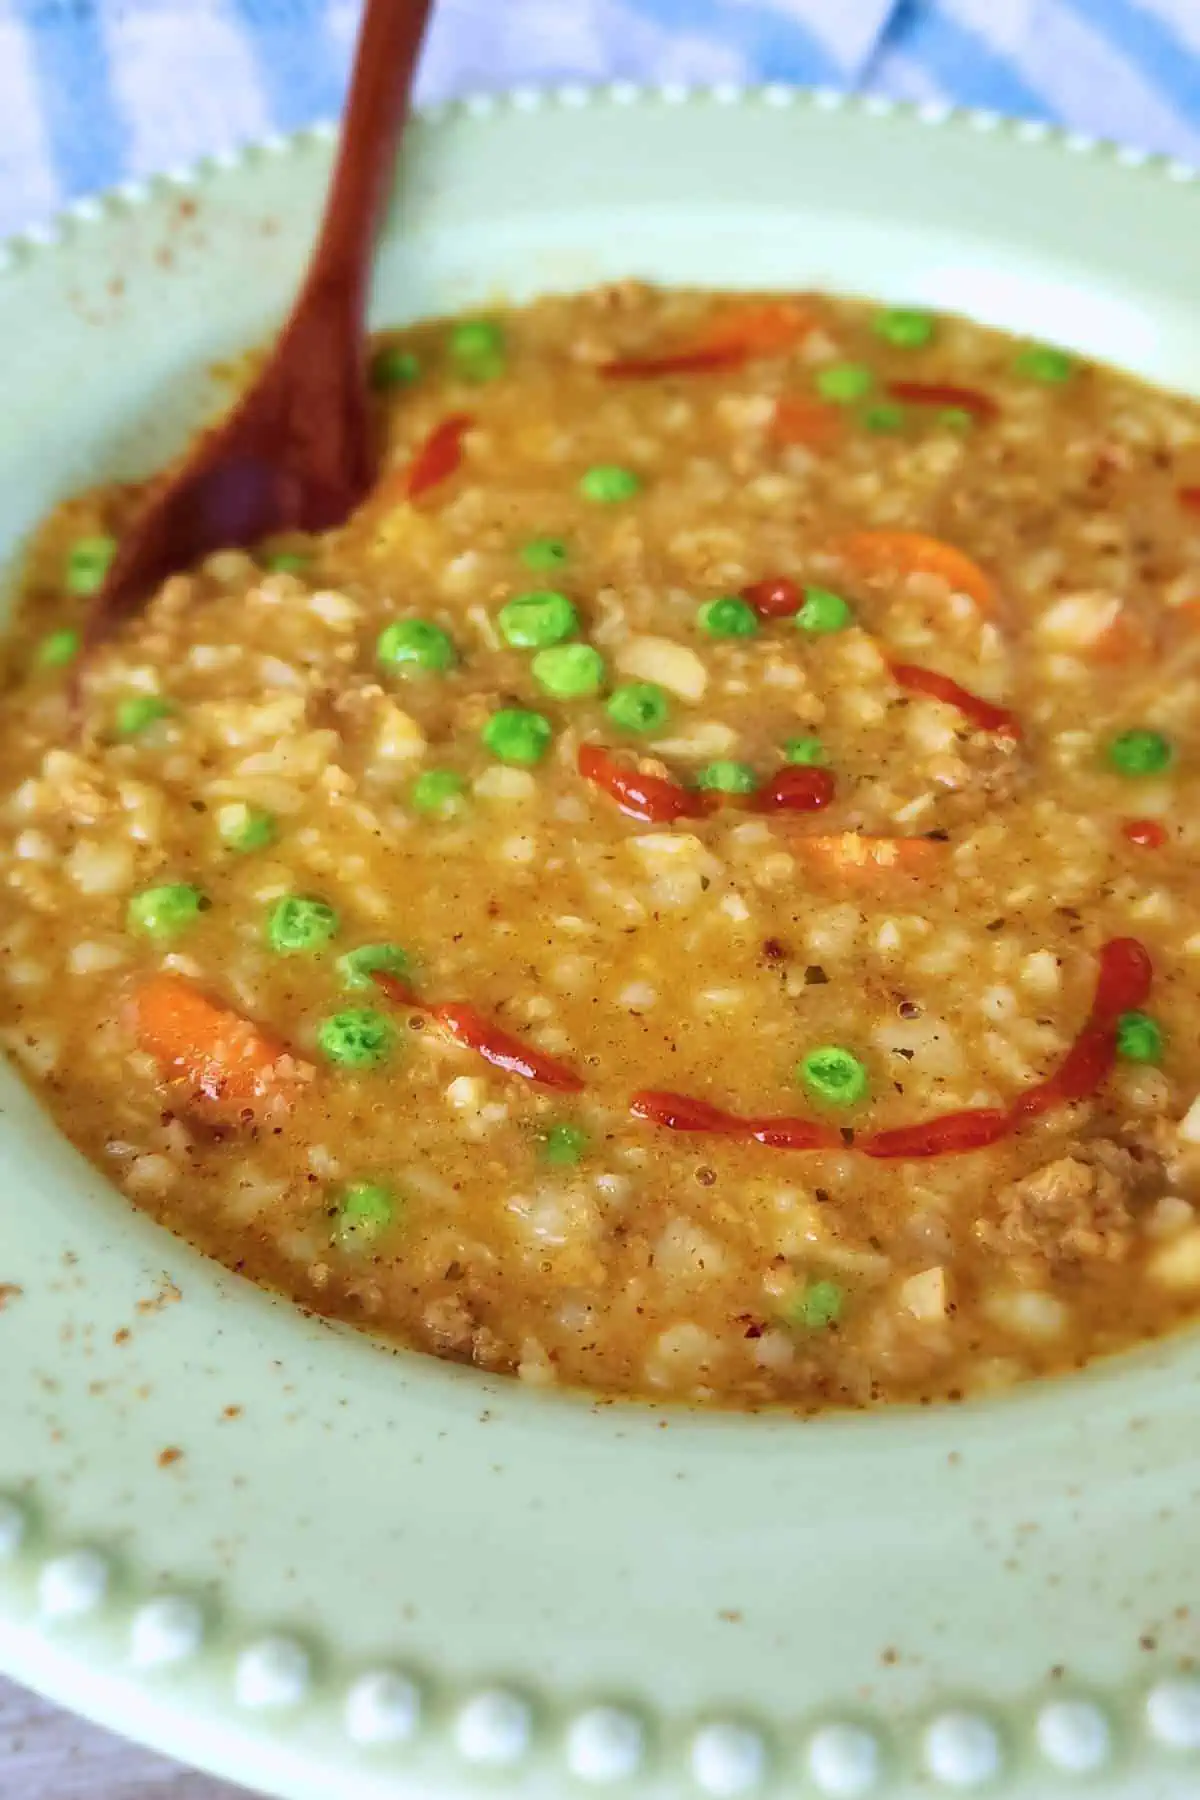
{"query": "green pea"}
(415, 647)
(608, 484)
(823, 611)
(1140, 751)
(138, 712)
(477, 349)
(1139, 1038)
(727, 777)
(365, 1210)
(535, 620)
(57, 649)
(545, 555)
(438, 791)
(298, 925)
(844, 382)
(516, 736)
(244, 828)
(833, 1075)
(638, 706)
(165, 911)
(955, 418)
(394, 367)
(358, 1038)
(564, 1143)
(904, 327)
(817, 1306)
(809, 751)
(356, 967)
(1041, 362)
(730, 616)
(476, 337)
(569, 671)
(286, 562)
(884, 418)
(88, 562)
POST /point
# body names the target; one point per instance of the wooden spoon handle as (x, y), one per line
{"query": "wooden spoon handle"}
(389, 43)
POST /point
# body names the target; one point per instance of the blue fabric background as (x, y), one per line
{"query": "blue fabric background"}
(95, 91)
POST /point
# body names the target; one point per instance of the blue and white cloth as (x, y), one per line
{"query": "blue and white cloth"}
(96, 91)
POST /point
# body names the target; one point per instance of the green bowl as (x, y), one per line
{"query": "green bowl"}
(372, 1574)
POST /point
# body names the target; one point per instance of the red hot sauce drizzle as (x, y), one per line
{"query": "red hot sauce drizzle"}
(699, 361)
(950, 1135)
(1147, 833)
(656, 800)
(652, 798)
(798, 788)
(439, 457)
(678, 1112)
(467, 1026)
(774, 597)
(981, 713)
(981, 407)
(1122, 985)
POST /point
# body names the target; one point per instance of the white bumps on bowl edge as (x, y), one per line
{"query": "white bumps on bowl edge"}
(165, 1630)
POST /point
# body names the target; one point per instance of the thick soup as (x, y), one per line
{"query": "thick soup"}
(693, 891)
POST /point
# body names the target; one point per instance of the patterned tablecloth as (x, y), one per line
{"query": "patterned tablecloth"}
(95, 91)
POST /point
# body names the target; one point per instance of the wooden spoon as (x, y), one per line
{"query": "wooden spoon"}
(297, 452)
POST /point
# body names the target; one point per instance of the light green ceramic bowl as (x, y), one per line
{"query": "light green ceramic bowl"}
(371, 1574)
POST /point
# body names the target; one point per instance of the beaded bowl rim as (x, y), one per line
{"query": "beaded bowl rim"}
(93, 209)
(89, 1624)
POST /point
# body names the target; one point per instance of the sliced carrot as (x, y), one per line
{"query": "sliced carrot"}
(226, 1062)
(799, 419)
(852, 857)
(1126, 640)
(759, 328)
(734, 336)
(916, 553)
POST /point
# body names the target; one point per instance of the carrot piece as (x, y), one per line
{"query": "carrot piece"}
(226, 1061)
(735, 336)
(799, 419)
(758, 328)
(852, 857)
(1189, 497)
(1126, 640)
(916, 553)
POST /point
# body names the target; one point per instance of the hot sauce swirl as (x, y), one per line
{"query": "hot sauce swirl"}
(1122, 984)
